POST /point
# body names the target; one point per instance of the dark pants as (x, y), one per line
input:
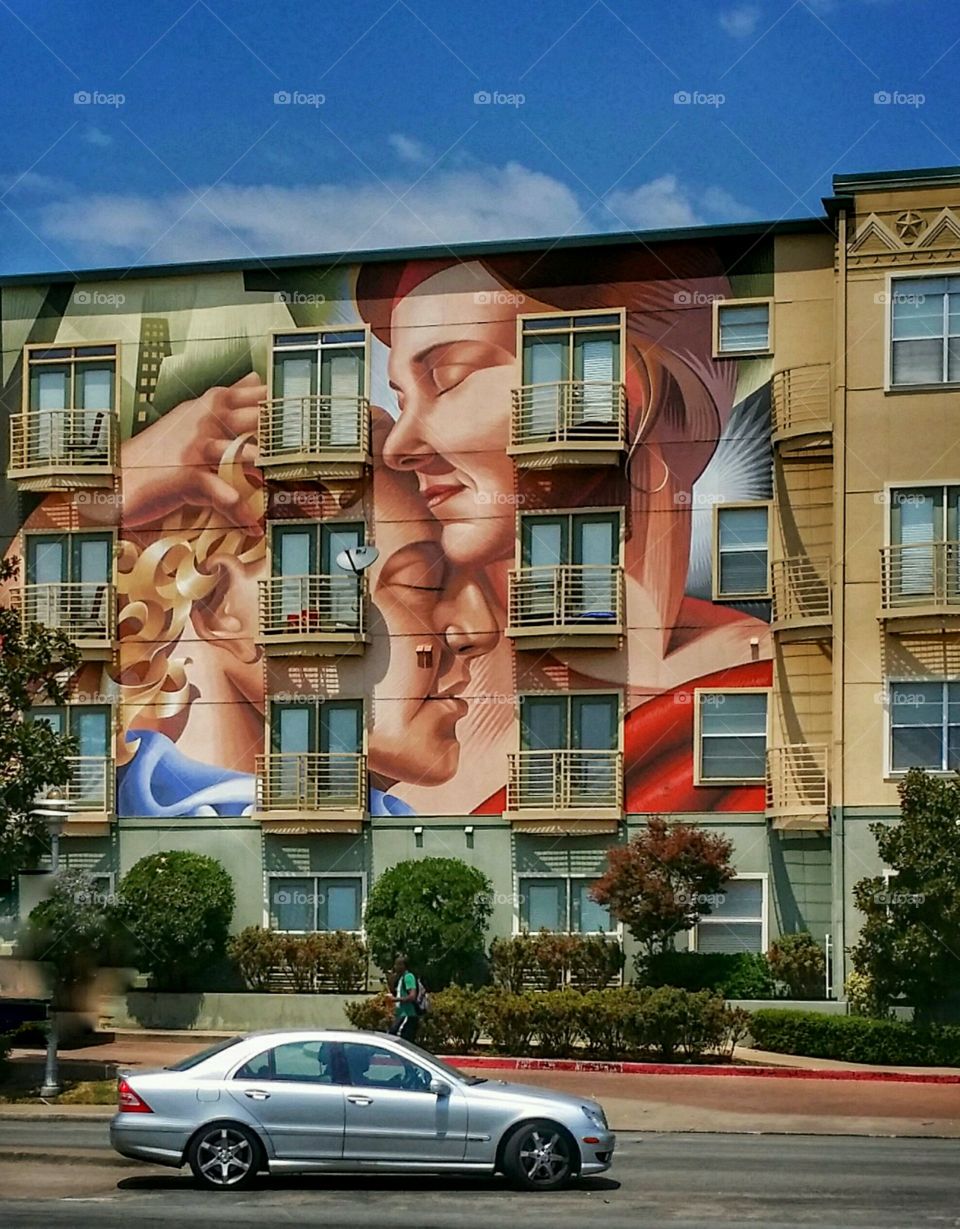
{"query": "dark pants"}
(405, 1027)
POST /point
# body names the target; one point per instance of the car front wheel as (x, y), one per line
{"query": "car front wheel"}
(225, 1156)
(539, 1157)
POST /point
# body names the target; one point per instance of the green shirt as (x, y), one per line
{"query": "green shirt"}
(406, 983)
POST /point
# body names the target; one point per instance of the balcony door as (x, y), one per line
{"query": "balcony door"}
(90, 726)
(316, 746)
(561, 349)
(920, 519)
(311, 587)
(68, 577)
(71, 395)
(586, 729)
(331, 366)
(590, 542)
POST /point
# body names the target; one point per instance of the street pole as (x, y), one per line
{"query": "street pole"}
(54, 820)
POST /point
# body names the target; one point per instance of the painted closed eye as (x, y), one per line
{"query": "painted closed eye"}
(418, 566)
(448, 375)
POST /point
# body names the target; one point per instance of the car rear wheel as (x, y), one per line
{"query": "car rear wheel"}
(225, 1156)
(539, 1157)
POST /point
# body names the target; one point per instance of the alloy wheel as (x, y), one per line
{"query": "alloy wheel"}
(544, 1156)
(224, 1156)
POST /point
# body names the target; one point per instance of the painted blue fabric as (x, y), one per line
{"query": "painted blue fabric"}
(161, 781)
(382, 803)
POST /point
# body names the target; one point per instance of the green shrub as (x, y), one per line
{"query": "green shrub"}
(373, 1013)
(512, 961)
(735, 975)
(507, 1019)
(862, 997)
(436, 912)
(341, 961)
(660, 1022)
(256, 953)
(605, 1017)
(799, 962)
(557, 1017)
(595, 961)
(552, 951)
(452, 1025)
(856, 1039)
(299, 956)
(178, 906)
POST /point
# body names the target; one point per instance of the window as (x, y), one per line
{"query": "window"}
(67, 579)
(925, 330)
(318, 382)
(310, 591)
(89, 725)
(924, 726)
(572, 369)
(570, 568)
(371, 1066)
(736, 921)
(562, 904)
(569, 746)
(922, 520)
(303, 903)
(742, 551)
(742, 327)
(315, 756)
(732, 735)
(73, 378)
(301, 1062)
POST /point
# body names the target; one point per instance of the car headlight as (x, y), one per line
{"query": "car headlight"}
(595, 1116)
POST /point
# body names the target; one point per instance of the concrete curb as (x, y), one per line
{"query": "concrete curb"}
(617, 1067)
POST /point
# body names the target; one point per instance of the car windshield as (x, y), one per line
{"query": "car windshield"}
(201, 1056)
(454, 1072)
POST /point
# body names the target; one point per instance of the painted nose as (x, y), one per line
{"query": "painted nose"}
(469, 626)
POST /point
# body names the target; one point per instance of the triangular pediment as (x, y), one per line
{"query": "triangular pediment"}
(943, 232)
(873, 238)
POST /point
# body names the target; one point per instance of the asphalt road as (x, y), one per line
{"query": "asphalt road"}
(63, 1174)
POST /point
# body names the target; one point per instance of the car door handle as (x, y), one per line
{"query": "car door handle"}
(256, 1094)
(360, 1100)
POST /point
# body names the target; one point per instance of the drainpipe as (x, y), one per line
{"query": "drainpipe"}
(837, 825)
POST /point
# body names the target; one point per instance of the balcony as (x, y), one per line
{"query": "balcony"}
(565, 791)
(920, 586)
(89, 795)
(311, 792)
(802, 417)
(314, 437)
(569, 604)
(802, 598)
(312, 615)
(85, 613)
(57, 450)
(797, 788)
(575, 422)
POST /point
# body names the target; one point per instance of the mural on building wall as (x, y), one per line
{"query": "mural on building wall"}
(190, 687)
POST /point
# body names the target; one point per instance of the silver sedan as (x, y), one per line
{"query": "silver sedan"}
(303, 1101)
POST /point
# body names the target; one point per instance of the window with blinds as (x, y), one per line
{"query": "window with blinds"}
(735, 922)
(582, 351)
(925, 330)
(742, 551)
(732, 729)
(742, 328)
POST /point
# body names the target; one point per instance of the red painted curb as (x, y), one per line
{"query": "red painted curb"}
(616, 1067)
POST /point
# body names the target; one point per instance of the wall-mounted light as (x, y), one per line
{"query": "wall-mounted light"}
(418, 836)
(425, 656)
(469, 829)
(755, 648)
(418, 830)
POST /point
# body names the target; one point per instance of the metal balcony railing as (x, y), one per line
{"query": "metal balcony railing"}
(801, 401)
(797, 783)
(309, 607)
(84, 612)
(311, 782)
(564, 780)
(801, 590)
(90, 787)
(68, 441)
(572, 412)
(566, 595)
(314, 426)
(920, 574)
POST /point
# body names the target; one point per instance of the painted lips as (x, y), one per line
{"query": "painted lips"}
(440, 493)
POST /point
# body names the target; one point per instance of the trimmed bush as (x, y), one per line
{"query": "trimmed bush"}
(798, 961)
(373, 1014)
(507, 1019)
(453, 1023)
(256, 953)
(558, 1021)
(312, 962)
(595, 962)
(862, 998)
(342, 961)
(550, 961)
(856, 1039)
(177, 906)
(512, 962)
(735, 975)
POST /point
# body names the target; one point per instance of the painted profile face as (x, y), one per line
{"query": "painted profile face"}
(438, 618)
(453, 371)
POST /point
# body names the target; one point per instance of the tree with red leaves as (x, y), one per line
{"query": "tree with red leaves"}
(663, 881)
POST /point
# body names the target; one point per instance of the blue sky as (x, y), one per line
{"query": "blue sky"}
(194, 129)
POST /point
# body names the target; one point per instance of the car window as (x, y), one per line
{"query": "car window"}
(194, 1060)
(371, 1066)
(308, 1062)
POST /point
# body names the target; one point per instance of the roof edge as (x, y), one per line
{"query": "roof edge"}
(932, 176)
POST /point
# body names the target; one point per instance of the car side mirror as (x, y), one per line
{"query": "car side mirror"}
(440, 1088)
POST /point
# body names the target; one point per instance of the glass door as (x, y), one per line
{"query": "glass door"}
(917, 523)
(546, 366)
(543, 734)
(91, 728)
(595, 542)
(293, 738)
(594, 734)
(341, 739)
(544, 547)
(344, 603)
(294, 561)
(342, 380)
(49, 398)
(93, 402)
(596, 363)
(294, 384)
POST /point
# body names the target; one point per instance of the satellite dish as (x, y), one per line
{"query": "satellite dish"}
(357, 559)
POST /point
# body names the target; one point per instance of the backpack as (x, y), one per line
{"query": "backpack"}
(422, 1001)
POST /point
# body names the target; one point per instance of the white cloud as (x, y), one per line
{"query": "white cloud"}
(449, 206)
(96, 136)
(408, 149)
(740, 22)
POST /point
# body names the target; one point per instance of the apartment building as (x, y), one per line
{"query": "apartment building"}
(664, 523)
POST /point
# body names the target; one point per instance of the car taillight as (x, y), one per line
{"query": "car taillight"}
(130, 1102)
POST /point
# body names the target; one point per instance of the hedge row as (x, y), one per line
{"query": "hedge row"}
(613, 1023)
(550, 960)
(322, 960)
(856, 1039)
(735, 975)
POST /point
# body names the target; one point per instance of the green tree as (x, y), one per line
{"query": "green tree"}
(909, 945)
(663, 881)
(36, 665)
(435, 911)
(176, 906)
(72, 932)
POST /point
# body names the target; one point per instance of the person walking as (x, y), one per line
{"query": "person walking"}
(406, 990)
